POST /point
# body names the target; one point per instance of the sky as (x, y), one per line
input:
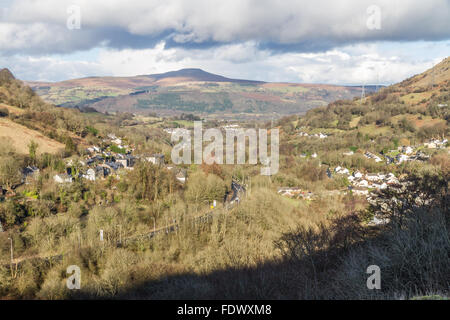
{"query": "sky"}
(317, 41)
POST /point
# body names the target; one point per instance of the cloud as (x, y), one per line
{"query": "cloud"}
(353, 64)
(294, 40)
(39, 26)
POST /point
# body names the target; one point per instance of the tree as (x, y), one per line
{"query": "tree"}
(202, 187)
(9, 172)
(32, 149)
(70, 145)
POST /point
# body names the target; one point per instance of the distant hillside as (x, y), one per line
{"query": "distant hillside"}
(417, 107)
(193, 91)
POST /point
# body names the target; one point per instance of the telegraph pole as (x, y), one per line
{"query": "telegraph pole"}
(363, 93)
(12, 257)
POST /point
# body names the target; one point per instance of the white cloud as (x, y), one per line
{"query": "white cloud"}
(317, 41)
(353, 64)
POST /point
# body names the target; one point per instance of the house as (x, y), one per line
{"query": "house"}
(63, 178)
(430, 145)
(102, 172)
(117, 141)
(391, 180)
(402, 158)
(181, 176)
(95, 159)
(341, 170)
(360, 191)
(389, 159)
(407, 150)
(373, 177)
(357, 174)
(362, 183)
(90, 175)
(289, 192)
(370, 155)
(314, 155)
(306, 195)
(237, 192)
(350, 153)
(157, 159)
(127, 161)
(113, 166)
(29, 173)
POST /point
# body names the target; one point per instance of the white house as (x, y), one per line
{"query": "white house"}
(357, 174)
(63, 178)
(362, 183)
(90, 175)
(407, 150)
(360, 191)
(402, 158)
(117, 141)
(430, 145)
(156, 159)
(373, 177)
(341, 170)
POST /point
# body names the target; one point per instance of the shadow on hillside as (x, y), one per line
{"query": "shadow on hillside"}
(329, 262)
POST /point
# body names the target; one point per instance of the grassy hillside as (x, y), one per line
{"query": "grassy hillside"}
(20, 138)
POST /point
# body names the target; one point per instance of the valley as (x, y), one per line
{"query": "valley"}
(192, 91)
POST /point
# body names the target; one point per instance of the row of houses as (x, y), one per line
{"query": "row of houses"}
(319, 135)
(403, 154)
(292, 192)
(362, 183)
(436, 144)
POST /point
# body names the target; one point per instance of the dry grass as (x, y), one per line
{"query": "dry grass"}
(20, 137)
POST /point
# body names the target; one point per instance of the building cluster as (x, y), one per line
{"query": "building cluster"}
(319, 135)
(102, 162)
(436, 144)
(232, 128)
(292, 192)
(363, 183)
(402, 154)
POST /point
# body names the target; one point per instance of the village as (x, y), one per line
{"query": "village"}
(368, 185)
(111, 160)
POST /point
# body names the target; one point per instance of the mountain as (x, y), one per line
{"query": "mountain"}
(191, 91)
(194, 74)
